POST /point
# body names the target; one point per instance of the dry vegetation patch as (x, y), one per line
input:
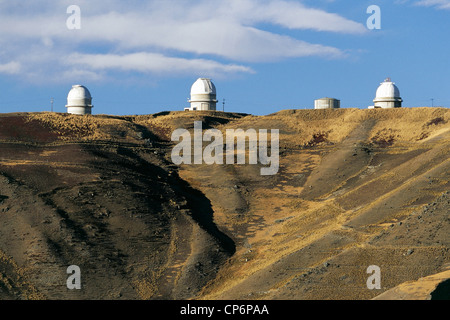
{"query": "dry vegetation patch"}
(68, 127)
(71, 127)
(392, 126)
(407, 125)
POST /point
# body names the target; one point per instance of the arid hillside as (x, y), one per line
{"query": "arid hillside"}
(355, 188)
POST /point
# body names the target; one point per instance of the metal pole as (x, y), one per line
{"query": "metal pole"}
(51, 101)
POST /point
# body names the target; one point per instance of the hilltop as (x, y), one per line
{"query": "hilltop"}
(355, 188)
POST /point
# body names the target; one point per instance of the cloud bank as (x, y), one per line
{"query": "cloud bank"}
(211, 37)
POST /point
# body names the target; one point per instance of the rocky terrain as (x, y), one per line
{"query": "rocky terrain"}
(355, 188)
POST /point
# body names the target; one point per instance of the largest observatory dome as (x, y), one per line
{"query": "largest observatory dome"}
(203, 95)
(79, 100)
(387, 95)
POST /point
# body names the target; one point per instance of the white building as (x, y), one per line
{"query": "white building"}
(203, 95)
(387, 96)
(79, 100)
(327, 103)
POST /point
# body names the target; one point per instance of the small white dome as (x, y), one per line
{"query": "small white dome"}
(388, 89)
(79, 96)
(203, 95)
(203, 86)
(79, 100)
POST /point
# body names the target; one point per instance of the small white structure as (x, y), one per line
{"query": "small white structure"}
(203, 95)
(327, 103)
(387, 96)
(79, 100)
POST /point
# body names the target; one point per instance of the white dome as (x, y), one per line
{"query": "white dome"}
(203, 86)
(79, 100)
(387, 96)
(79, 96)
(203, 95)
(388, 89)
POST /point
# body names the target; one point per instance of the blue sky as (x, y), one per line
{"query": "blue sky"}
(141, 57)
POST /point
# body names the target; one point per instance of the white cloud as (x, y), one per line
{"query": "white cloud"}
(78, 73)
(440, 4)
(152, 63)
(294, 15)
(12, 67)
(162, 36)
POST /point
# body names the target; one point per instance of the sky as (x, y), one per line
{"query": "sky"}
(141, 57)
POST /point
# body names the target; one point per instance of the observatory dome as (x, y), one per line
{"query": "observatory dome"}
(79, 100)
(388, 95)
(203, 86)
(388, 89)
(203, 95)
